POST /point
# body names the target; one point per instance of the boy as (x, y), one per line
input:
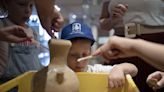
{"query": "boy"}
(82, 39)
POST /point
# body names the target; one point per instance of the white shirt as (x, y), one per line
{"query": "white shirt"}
(147, 12)
(98, 68)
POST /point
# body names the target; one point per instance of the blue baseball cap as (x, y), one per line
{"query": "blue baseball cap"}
(77, 30)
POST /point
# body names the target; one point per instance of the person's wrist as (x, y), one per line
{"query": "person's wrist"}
(112, 22)
(118, 67)
(116, 21)
(134, 46)
(106, 24)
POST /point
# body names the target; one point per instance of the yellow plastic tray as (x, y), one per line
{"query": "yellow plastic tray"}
(98, 82)
(23, 82)
(89, 82)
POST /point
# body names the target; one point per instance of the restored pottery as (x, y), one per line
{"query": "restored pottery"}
(60, 78)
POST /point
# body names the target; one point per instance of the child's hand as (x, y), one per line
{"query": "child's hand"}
(156, 80)
(116, 77)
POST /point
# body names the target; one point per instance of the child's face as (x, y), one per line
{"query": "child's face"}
(80, 48)
(19, 11)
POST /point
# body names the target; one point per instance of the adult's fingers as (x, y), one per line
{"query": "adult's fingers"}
(57, 23)
(155, 75)
(122, 7)
(160, 83)
(97, 52)
(20, 31)
(16, 39)
(119, 10)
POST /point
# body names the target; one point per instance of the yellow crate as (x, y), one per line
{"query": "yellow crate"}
(23, 82)
(98, 82)
(89, 82)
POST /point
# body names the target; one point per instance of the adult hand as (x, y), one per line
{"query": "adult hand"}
(50, 18)
(110, 18)
(116, 47)
(156, 80)
(14, 34)
(118, 12)
(52, 23)
(57, 22)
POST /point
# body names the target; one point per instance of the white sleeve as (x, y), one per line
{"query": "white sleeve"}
(99, 68)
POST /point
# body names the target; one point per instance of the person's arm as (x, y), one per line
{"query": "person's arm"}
(105, 21)
(118, 73)
(119, 47)
(152, 53)
(128, 68)
(13, 34)
(50, 18)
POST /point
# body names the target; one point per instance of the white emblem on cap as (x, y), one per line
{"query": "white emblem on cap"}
(76, 28)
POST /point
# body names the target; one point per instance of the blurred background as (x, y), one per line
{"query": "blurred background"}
(87, 11)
